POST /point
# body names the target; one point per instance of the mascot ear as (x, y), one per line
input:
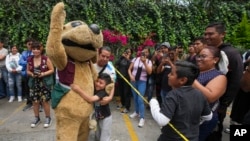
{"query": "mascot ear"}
(109, 87)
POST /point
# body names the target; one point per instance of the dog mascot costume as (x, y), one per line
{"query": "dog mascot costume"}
(72, 48)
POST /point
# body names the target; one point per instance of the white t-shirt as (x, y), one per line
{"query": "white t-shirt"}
(12, 62)
(109, 70)
(4, 52)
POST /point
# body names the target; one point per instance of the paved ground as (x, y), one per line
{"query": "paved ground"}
(15, 125)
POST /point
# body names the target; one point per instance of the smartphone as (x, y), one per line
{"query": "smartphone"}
(143, 54)
(165, 55)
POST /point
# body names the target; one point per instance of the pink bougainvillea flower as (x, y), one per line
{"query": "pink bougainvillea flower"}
(139, 48)
(124, 39)
(108, 32)
(148, 42)
(112, 57)
(113, 39)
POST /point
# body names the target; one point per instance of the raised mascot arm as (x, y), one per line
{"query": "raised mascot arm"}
(54, 46)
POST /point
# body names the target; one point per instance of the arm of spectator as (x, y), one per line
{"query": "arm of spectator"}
(214, 88)
(132, 78)
(148, 64)
(3, 55)
(23, 60)
(160, 68)
(7, 64)
(19, 68)
(160, 118)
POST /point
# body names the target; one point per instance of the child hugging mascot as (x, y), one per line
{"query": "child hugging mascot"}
(72, 48)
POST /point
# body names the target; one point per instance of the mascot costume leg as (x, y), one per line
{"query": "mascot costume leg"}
(72, 48)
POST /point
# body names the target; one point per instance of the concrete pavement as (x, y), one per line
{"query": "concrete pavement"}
(15, 125)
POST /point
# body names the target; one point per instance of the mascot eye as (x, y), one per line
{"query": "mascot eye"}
(75, 24)
(95, 28)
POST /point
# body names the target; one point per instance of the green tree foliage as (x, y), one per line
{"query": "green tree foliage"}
(170, 20)
(241, 33)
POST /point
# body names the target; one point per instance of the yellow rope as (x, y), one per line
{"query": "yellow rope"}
(172, 126)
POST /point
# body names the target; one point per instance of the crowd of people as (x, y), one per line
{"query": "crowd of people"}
(208, 75)
(220, 72)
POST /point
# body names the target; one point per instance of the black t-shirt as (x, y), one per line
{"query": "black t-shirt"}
(122, 65)
(101, 110)
(184, 107)
(235, 71)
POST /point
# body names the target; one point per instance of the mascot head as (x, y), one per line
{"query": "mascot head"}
(81, 41)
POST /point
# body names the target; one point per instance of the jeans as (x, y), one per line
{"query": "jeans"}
(4, 86)
(15, 79)
(138, 101)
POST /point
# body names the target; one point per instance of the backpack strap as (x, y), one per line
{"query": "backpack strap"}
(104, 67)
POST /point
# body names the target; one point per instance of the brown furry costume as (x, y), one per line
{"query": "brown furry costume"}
(78, 42)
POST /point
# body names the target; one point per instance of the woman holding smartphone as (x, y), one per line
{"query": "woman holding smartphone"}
(138, 71)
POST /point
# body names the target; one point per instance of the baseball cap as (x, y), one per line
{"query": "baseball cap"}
(166, 44)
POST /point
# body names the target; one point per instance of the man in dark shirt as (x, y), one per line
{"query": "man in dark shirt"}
(214, 35)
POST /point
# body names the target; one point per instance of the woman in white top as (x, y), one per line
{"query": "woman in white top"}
(14, 73)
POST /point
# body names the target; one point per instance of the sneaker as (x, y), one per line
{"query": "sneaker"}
(227, 130)
(141, 122)
(47, 122)
(28, 106)
(125, 110)
(36, 122)
(19, 99)
(133, 115)
(12, 98)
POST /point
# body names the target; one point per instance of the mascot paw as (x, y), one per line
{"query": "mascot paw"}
(109, 87)
(92, 122)
(58, 16)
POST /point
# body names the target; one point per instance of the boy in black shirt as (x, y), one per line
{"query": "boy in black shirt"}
(184, 106)
(102, 112)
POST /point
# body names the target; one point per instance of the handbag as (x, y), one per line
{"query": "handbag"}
(138, 73)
